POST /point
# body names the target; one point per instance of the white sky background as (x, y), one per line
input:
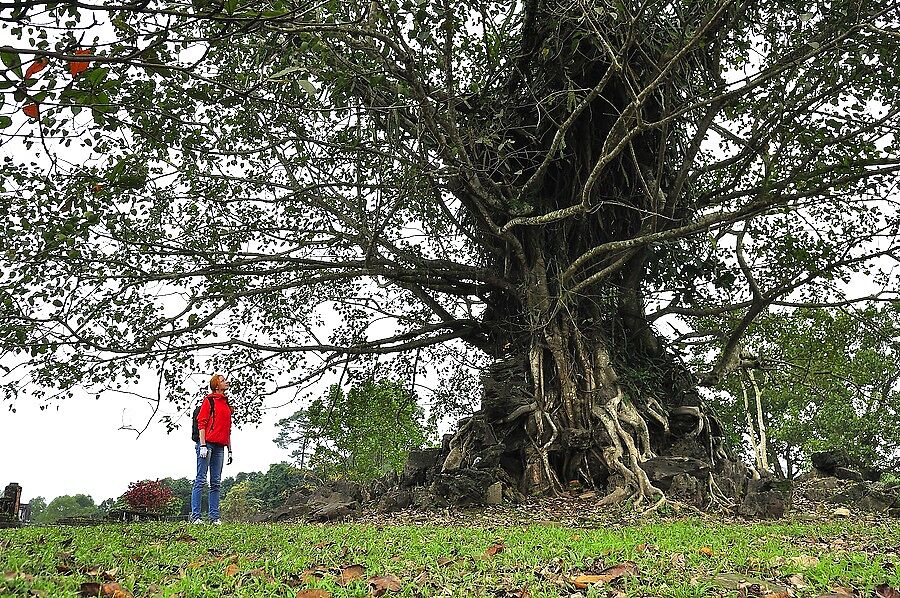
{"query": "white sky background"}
(75, 446)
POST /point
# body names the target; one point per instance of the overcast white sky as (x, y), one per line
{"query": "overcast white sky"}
(79, 448)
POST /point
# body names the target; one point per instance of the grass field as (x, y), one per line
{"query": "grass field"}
(668, 558)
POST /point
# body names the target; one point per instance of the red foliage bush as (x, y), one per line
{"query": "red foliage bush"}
(151, 495)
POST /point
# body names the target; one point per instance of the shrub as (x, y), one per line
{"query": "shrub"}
(150, 495)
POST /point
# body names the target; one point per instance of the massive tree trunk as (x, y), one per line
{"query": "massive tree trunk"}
(588, 395)
(582, 387)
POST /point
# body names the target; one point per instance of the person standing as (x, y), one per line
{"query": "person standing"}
(214, 426)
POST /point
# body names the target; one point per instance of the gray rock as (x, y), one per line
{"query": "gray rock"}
(394, 501)
(333, 510)
(418, 464)
(847, 473)
(850, 495)
(764, 505)
(877, 501)
(494, 494)
(687, 488)
(828, 461)
(286, 513)
(663, 470)
(463, 486)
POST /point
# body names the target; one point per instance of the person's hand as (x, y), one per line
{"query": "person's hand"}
(204, 452)
(230, 456)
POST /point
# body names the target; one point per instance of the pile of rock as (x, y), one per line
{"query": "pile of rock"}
(837, 479)
(837, 463)
(424, 485)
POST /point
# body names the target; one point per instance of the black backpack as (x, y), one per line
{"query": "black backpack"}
(195, 432)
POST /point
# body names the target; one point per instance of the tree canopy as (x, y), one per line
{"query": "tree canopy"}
(290, 189)
(826, 380)
(358, 434)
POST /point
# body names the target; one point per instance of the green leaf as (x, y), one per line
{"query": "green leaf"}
(5, 122)
(308, 87)
(287, 71)
(11, 60)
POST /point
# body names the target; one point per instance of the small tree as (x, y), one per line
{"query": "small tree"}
(79, 505)
(274, 486)
(38, 506)
(360, 434)
(150, 495)
(240, 504)
(824, 379)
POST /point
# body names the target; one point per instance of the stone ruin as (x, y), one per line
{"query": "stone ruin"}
(423, 484)
(11, 507)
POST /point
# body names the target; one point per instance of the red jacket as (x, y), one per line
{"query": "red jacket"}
(218, 427)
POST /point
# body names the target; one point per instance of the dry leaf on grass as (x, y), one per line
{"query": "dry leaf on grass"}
(261, 573)
(350, 573)
(313, 593)
(886, 591)
(805, 561)
(231, 570)
(382, 584)
(797, 581)
(185, 538)
(609, 574)
(107, 590)
(839, 592)
(495, 548)
(311, 575)
(707, 551)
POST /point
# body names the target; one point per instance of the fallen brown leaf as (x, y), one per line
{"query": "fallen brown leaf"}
(350, 573)
(185, 538)
(313, 574)
(707, 551)
(609, 574)
(495, 548)
(231, 570)
(805, 561)
(90, 588)
(797, 581)
(313, 593)
(886, 591)
(380, 585)
(107, 590)
(13, 575)
(421, 579)
(839, 592)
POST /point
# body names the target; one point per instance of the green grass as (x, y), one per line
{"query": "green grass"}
(269, 560)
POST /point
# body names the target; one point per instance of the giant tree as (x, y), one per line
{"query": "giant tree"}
(291, 188)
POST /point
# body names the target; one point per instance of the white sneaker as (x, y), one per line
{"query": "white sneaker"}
(217, 522)
(197, 521)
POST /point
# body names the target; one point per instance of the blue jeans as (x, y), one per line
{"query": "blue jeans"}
(214, 462)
